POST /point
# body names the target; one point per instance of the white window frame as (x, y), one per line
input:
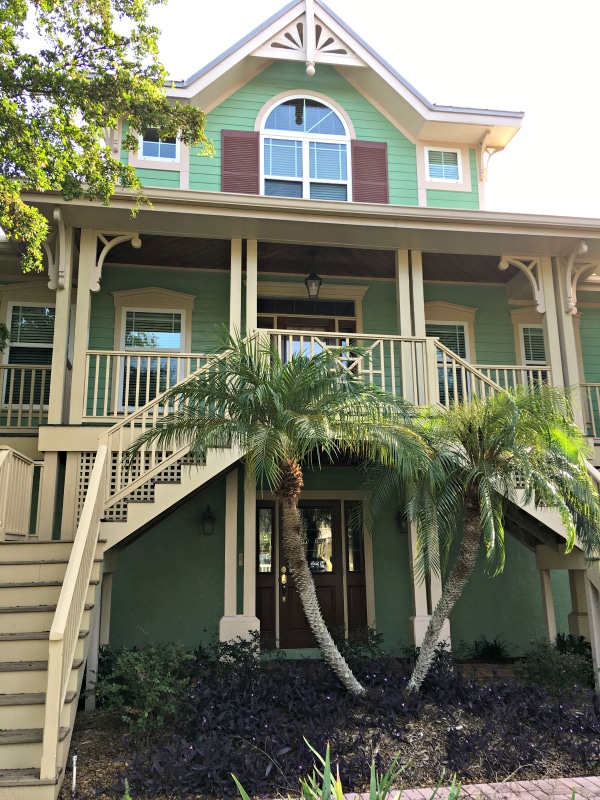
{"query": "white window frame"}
(146, 310)
(305, 138)
(458, 154)
(6, 355)
(532, 363)
(142, 157)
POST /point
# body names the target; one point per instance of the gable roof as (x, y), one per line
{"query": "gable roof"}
(310, 32)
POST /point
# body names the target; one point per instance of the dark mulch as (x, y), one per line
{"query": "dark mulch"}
(476, 721)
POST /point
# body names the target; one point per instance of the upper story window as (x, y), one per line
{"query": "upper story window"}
(443, 165)
(155, 149)
(305, 151)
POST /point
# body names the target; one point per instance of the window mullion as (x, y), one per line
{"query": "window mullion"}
(305, 169)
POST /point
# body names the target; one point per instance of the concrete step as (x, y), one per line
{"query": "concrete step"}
(28, 709)
(33, 618)
(41, 551)
(22, 748)
(31, 676)
(35, 594)
(38, 571)
(31, 645)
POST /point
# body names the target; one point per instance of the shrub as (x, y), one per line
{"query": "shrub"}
(491, 652)
(546, 666)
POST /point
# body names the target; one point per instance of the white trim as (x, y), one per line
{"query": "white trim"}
(142, 157)
(153, 298)
(424, 182)
(442, 313)
(329, 291)
(125, 309)
(532, 363)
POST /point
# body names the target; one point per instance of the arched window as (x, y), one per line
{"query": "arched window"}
(305, 151)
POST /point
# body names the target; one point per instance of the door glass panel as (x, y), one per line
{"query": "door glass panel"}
(318, 538)
(265, 539)
(354, 539)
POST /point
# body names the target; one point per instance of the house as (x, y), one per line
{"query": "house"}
(328, 164)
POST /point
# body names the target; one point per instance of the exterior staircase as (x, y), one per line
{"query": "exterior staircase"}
(31, 576)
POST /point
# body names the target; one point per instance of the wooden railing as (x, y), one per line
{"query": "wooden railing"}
(121, 382)
(25, 392)
(511, 376)
(16, 488)
(590, 400)
(420, 369)
(66, 625)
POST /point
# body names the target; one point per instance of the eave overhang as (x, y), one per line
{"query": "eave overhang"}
(175, 212)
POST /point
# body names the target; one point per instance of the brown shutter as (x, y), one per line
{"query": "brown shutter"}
(369, 172)
(240, 163)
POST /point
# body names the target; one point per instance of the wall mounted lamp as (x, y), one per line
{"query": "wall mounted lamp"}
(207, 521)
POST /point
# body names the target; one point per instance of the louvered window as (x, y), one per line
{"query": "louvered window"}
(452, 382)
(443, 165)
(31, 338)
(146, 376)
(154, 148)
(533, 345)
(305, 151)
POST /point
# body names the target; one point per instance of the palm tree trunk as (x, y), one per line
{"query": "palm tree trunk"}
(293, 549)
(453, 588)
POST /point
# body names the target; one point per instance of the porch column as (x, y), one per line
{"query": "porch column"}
(548, 605)
(235, 288)
(87, 259)
(568, 328)
(69, 519)
(418, 297)
(56, 412)
(403, 293)
(249, 608)
(251, 286)
(47, 502)
(578, 618)
(550, 321)
(593, 607)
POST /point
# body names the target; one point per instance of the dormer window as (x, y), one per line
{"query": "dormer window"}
(153, 148)
(305, 151)
(443, 165)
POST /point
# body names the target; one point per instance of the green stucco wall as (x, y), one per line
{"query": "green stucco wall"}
(168, 585)
(438, 198)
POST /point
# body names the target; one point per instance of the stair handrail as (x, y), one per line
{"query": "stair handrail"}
(66, 624)
(123, 433)
(480, 380)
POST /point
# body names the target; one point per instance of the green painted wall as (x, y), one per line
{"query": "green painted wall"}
(494, 337)
(168, 585)
(159, 178)
(239, 112)
(438, 198)
(211, 308)
(590, 342)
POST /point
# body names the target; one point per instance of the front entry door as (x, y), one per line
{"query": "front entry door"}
(337, 566)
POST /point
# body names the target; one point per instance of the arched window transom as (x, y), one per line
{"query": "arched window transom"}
(305, 151)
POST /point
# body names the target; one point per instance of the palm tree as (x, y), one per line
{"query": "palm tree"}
(284, 414)
(487, 450)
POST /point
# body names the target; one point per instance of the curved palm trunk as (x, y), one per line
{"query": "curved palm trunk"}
(453, 588)
(293, 547)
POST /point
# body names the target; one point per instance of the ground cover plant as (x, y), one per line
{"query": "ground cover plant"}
(253, 718)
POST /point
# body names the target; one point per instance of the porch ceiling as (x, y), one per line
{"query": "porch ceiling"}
(273, 257)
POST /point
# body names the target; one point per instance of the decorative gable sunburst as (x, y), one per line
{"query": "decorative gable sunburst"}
(309, 39)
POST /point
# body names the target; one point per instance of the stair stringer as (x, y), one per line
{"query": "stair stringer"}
(167, 495)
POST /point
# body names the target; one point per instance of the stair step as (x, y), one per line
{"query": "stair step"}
(25, 636)
(29, 776)
(31, 645)
(29, 736)
(29, 666)
(29, 618)
(32, 676)
(28, 594)
(51, 569)
(30, 698)
(23, 609)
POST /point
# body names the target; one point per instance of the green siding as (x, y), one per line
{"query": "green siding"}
(590, 343)
(239, 112)
(159, 178)
(438, 198)
(494, 337)
(211, 308)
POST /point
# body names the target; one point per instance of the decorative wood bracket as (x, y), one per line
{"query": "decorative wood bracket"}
(531, 268)
(573, 271)
(56, 255)
(110, 240)
(485, 154)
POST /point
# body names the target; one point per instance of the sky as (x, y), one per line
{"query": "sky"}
(536, 56)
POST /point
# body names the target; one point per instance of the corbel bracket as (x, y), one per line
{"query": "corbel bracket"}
(110, 240)
(485, 154)
(574, 270)
(58, 253)
(531, 268)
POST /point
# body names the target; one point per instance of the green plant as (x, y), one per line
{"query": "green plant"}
(4, 336)
(493, 652)
(127, 796)
(568, 643)
(148, 683)
(321, 785)
(544, 665)
(361, 644)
